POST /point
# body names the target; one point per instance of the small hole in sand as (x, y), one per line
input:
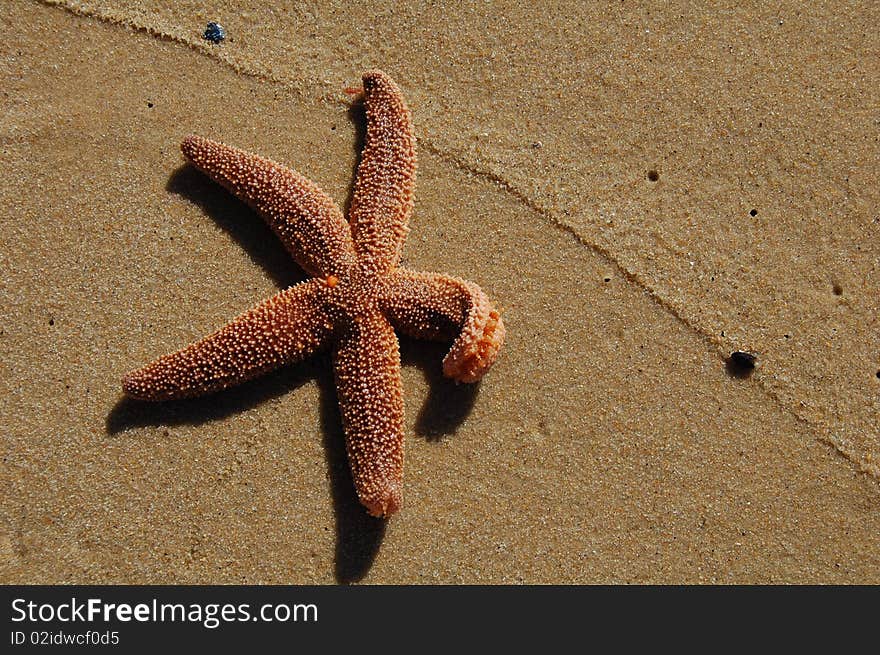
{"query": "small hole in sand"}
(653, 175)
(878, 375)
(753, 212)
(740, 364)
(608, 279)
(51, 321)
(837, 289)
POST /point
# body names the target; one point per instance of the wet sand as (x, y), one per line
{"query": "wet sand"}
(609, 444)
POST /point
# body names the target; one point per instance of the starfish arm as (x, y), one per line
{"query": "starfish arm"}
(441, 307)
(283, 329)
(382, 201)
(367, 367)
(306, 219)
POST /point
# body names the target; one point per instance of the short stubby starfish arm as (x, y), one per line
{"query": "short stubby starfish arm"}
(442, 307)
(286, 328)
(382, 201)
(306, 219)
(368, 387)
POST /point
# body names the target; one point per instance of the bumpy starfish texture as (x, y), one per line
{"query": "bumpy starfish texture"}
(356, 298)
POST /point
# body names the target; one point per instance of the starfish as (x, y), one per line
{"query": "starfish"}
(356, 298)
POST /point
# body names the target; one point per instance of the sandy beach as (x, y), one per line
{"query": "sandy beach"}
(644, 189)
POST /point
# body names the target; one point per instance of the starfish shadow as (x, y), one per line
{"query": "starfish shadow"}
(448, 403)
(357, 115)
(240, 222)
(358, 535)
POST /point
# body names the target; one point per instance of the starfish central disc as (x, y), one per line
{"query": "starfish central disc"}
(353, 294)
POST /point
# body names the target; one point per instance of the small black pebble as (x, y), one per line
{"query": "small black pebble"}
(51, 321)
(150, 105)
(741, 364)
(753, 212)
(214, 33)
(653, 175)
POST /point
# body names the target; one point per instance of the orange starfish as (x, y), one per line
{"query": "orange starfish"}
(356, 298)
